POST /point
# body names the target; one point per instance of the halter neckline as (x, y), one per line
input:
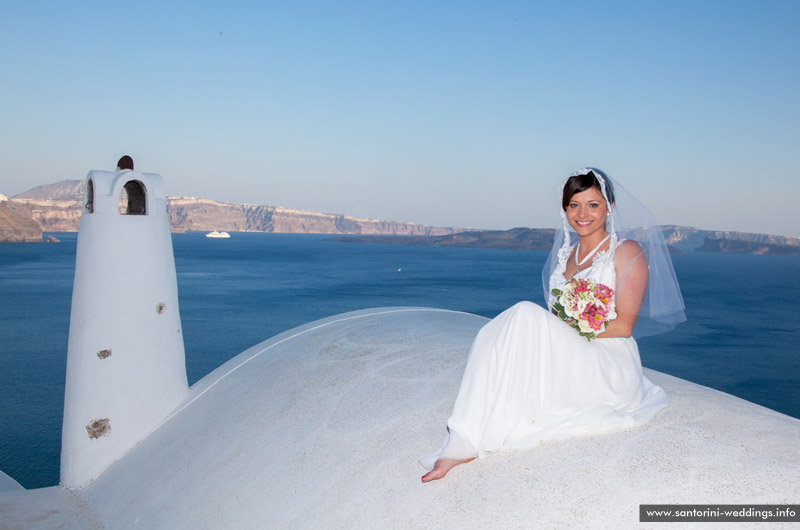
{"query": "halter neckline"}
(590, 254)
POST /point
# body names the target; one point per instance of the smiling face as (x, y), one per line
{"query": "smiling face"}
(586, 213)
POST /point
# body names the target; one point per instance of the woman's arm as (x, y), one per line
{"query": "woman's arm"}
(630, 264)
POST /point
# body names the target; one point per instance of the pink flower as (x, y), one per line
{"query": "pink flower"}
(586, 306)
(603, 293)
(582, 286)
(595, 316)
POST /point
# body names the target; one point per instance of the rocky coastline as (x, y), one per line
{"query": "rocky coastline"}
(57, 208)
(515, 239)
(679, 241)
(16, 225)
(732, 246)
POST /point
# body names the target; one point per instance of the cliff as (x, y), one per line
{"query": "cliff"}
(57, 208)
(193, 214)
(17, 226)
(688, 238)
(50, 215)
(748, 247)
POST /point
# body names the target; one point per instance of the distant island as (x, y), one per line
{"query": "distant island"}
(58, 207)
(748, 247)
(515, 239)
(679, 239)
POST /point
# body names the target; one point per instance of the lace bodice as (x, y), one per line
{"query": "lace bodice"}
(601, 271)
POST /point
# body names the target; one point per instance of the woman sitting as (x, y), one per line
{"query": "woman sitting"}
(534, 374)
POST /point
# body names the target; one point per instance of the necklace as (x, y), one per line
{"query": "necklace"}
(589, 255)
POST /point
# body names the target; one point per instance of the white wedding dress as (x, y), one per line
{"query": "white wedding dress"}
(531, 377)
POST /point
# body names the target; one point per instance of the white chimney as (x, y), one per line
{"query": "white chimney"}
(126, 367)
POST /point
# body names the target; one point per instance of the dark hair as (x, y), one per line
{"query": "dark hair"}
(580, 183)
(125, 162)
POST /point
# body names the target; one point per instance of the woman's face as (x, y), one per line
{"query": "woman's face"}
(587, 212)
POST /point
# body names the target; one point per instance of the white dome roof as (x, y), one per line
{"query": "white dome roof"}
(322, 427)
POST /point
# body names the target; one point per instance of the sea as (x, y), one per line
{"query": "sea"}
(742, 335)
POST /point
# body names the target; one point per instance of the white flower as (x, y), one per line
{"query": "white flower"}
(584, 327)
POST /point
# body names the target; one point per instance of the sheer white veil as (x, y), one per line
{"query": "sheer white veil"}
(662, 307)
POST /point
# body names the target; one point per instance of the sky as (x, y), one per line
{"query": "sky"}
(445, 113)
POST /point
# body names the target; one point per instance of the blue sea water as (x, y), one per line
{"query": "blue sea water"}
(742, 335)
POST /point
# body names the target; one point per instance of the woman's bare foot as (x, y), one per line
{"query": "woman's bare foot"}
(442, 467)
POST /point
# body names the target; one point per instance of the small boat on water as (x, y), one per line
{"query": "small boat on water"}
(218, 234)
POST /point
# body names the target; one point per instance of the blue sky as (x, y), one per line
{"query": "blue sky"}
(444, 113)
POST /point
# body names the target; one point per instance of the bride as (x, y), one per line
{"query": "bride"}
(532, 375)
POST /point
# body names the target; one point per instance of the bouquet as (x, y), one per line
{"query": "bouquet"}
(585, 305)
